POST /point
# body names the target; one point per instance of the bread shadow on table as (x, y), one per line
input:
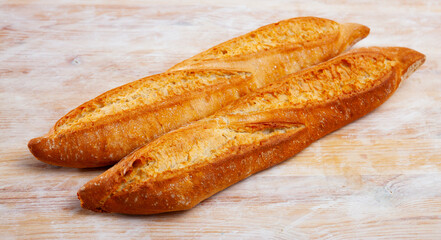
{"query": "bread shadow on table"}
(200, 208)
(79, 211)
(31, 162)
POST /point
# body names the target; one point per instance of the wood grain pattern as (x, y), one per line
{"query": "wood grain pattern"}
(378, 177)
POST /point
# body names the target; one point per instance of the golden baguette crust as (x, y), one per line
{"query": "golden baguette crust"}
(184, 167)
(105, 129)
(93, 140)
(281, 48)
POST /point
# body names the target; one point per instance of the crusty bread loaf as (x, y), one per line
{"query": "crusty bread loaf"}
(183, 167)
(104, 130)
(107, 128)
(278, 49)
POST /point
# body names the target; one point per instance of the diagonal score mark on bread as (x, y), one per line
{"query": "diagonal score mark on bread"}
(284, 33)
(345, 76)
(198, 144)
(148, 93)
(103, 130)
(184, 167)
(201, 144)
(275, 50)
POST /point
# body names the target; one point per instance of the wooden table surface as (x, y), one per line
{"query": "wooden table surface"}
(379, 177)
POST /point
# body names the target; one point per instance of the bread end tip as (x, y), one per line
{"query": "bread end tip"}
(354, 32)
(34, 146)
(359, 30)
(409, 59)
(87, 203)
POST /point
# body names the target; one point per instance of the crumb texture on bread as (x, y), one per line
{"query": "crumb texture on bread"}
(146, 92)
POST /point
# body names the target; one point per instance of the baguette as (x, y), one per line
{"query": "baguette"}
(183, 167)
(102, 131)
(278, 49)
